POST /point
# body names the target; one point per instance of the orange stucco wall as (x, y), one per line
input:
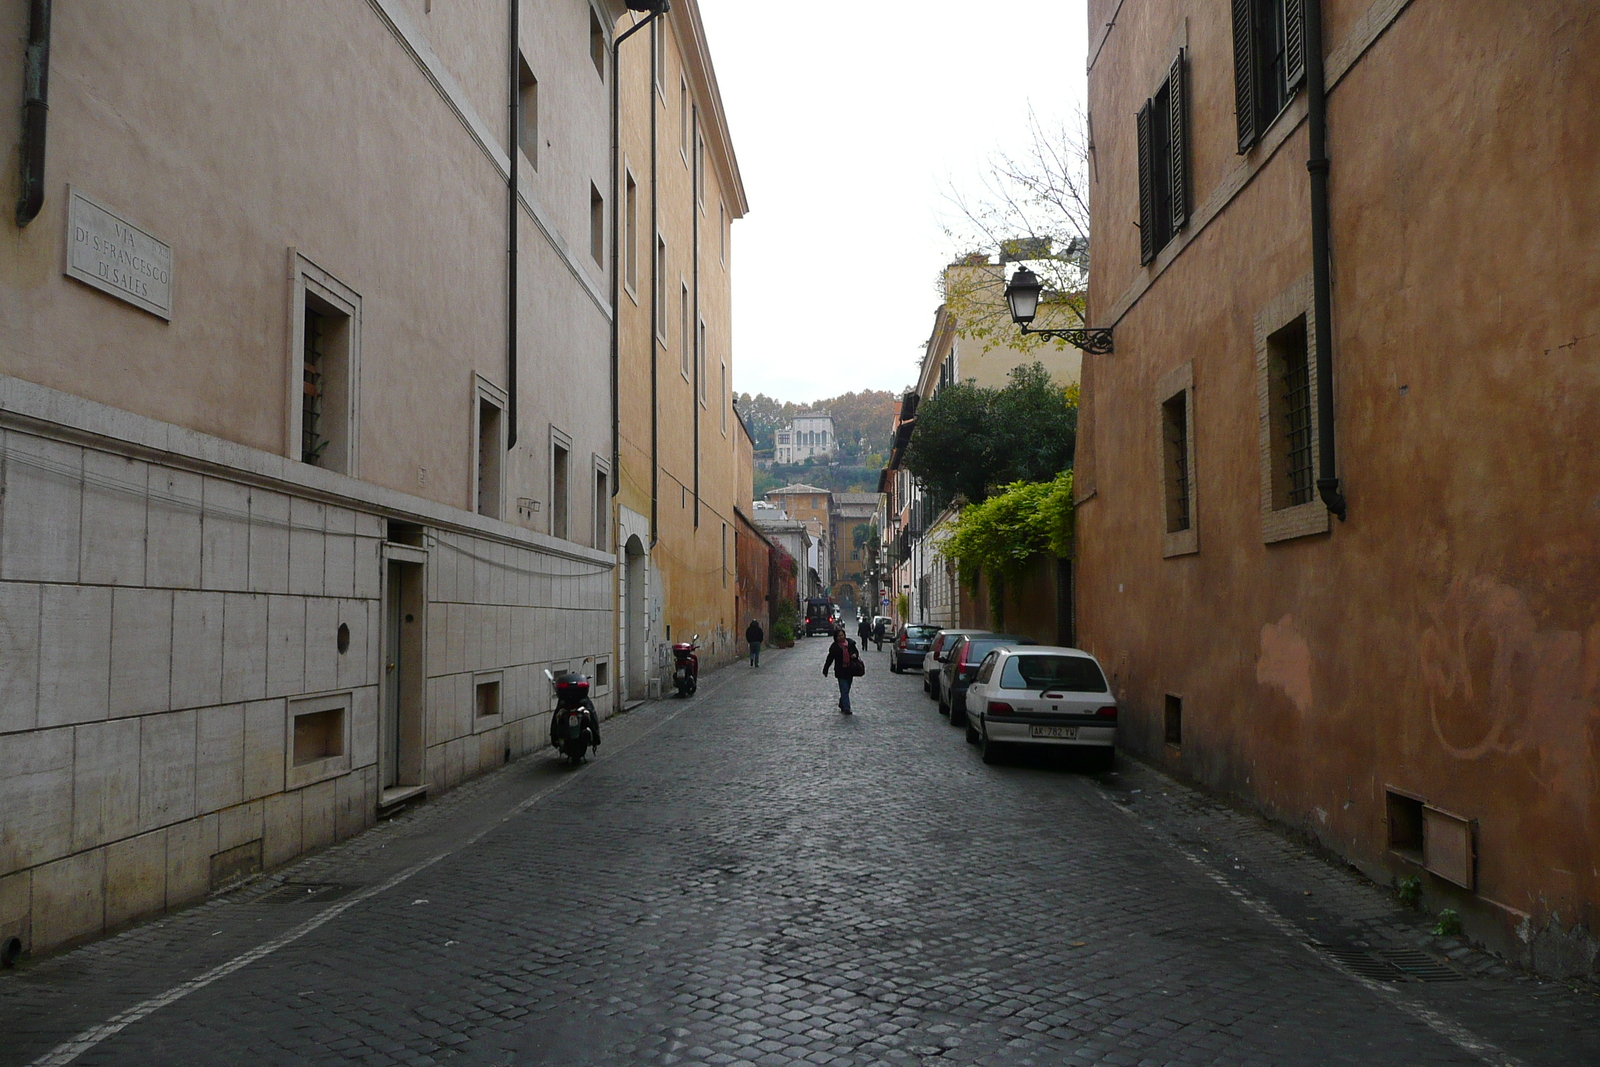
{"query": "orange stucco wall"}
(1445, 640)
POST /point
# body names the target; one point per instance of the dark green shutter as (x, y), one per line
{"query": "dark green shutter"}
(1178, 144)
(1294, 42)
(1147, 212)
(1244, 71)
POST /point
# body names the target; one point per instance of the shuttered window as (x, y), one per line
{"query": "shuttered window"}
(1163, 164)
(1269, 62)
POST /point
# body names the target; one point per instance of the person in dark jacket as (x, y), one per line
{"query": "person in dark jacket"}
(754, 634)
(842, 657)
(877, 633)
(864, 632)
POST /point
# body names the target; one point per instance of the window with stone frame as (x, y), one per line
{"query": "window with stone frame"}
(1179, 512)
(527, 111)
(630, 252)
(1175, 460)
(1287, 388)
(597, 44)
(1289, 382)
(324, 370)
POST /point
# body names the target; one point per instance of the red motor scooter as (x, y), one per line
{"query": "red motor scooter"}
(686, 666)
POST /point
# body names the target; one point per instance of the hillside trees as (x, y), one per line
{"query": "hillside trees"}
(862, 421)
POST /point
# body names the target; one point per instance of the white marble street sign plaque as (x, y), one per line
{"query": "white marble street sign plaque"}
(112, 254)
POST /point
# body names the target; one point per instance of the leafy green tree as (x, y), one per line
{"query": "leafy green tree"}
(1000, 536)
(969, 441)
(949, 449)
(1035, 428)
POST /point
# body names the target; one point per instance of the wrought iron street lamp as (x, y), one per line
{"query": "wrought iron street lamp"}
(1022, 294)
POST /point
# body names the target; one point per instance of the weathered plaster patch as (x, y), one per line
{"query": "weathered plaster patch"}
(1285, 661)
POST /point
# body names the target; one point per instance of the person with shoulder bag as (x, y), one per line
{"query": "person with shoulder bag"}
(845, 659)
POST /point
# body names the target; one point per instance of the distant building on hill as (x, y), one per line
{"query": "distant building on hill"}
(809, 435)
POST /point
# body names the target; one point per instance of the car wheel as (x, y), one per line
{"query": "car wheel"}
(933, 691)
(989, 749)
(1102, 759)
(958, 716)
(944, 709)
(973, 736)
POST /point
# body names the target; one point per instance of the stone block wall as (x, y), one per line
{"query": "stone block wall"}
(156, 625)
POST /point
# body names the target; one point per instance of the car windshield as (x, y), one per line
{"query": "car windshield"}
(1072, 674)
(977, 648)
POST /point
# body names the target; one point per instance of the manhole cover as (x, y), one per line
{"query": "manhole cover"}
(1421, 966)
(305, 893)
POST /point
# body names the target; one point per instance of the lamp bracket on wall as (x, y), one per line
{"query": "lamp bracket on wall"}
(1095, 339)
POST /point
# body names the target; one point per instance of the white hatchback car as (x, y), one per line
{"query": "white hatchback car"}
(1039, 695)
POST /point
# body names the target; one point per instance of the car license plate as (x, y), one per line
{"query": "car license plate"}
(1060, 733)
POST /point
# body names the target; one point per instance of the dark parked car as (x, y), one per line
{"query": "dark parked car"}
(933, 662)
(911, 643)
(961, 666)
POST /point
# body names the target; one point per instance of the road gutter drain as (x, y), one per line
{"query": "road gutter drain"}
(1391, 965)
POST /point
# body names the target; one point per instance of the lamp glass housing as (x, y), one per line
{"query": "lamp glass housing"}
(1022, 293)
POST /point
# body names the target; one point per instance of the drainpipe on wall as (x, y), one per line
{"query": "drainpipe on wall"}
(700, 356)
(656, 11)
(1322, 298)
(514, 113)
(35, 111)
(655, 301)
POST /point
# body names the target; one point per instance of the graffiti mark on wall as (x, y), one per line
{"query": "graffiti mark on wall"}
(1497, 684)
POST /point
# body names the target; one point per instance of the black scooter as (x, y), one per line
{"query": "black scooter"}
(574, 727)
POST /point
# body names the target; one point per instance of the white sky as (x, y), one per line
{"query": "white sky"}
(848, 117)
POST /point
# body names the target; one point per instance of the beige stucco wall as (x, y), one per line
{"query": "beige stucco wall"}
(190, 571)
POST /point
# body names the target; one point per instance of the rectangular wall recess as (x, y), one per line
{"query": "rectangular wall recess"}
(318, 739)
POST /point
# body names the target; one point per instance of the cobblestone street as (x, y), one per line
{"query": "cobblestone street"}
(749, 877)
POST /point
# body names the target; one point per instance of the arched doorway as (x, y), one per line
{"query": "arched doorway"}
(634, 620)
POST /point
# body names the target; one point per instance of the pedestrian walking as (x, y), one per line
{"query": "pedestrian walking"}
(755, 635)
(877, 632)
(864, 631)
(845, 659)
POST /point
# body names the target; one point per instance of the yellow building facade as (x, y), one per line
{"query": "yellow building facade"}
(680, 475)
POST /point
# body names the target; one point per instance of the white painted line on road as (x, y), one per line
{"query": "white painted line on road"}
(1452, 1031)
(70, 1050)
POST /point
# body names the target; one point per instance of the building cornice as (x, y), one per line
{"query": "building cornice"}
(684, 18)
(36, 409)
(394, 17)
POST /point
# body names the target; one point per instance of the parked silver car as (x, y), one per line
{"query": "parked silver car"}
(1042, 695)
